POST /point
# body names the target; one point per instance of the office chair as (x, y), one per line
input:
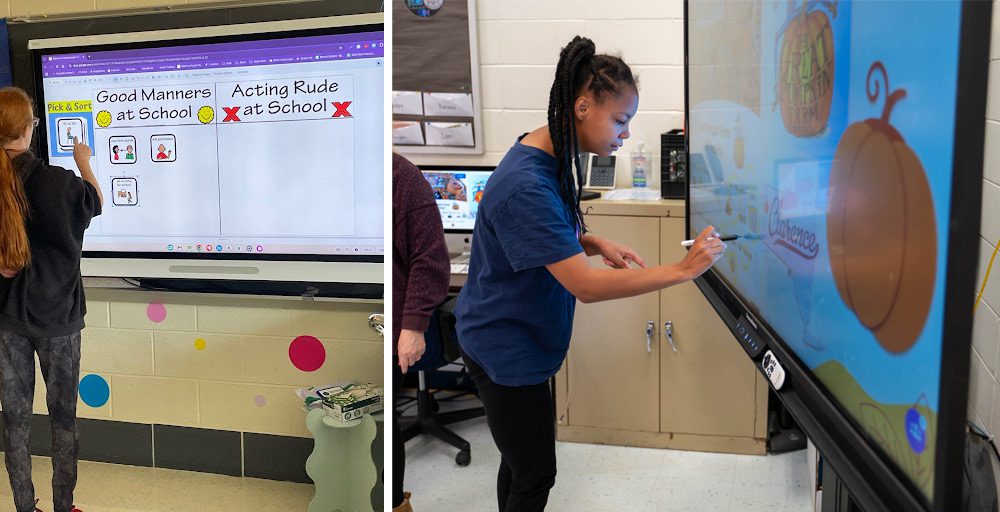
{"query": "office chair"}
(442, 349)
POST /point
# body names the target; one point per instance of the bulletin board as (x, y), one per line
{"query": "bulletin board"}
(6, 78)
(435, 79)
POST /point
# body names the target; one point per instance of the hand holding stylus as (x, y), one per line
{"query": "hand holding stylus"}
(705, 251)
(726, 238)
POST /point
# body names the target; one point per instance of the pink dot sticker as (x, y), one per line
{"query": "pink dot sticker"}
(259, 401)
(156, 312)
(307, 353)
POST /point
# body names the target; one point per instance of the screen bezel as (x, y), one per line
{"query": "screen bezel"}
(457, 168)
(874, 480)
(177, 37)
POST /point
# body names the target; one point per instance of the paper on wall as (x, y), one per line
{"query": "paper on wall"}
(407, 133)
(407, 103)
(449, 134)
(448, 104)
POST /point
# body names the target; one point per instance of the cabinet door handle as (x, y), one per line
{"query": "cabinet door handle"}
(650, 328)
(668, 331)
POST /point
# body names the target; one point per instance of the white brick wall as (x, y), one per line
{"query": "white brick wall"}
(984, 388)
(519, 43)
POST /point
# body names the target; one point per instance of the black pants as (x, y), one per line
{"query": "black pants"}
(398, 445)
(60, 362)
(522, 421)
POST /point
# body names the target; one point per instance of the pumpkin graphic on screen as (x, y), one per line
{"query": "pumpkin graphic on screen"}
(805, 70)
(881, 232)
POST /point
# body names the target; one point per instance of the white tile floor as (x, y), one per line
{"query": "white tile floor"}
(611, 478)
(117, 488)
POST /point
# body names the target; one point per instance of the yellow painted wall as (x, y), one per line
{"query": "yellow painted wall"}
(216, 362)
(48, 7)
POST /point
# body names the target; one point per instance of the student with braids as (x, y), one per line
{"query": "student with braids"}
(529, 266)
(44, 211)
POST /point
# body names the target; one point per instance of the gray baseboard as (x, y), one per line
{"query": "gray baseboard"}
(185, 448)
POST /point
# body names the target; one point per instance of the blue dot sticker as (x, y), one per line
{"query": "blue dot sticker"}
(916, 430)
(94, 390)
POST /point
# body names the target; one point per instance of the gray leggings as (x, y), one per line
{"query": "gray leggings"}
(60, 362)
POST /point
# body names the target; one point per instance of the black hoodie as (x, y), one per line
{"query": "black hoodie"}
(46, 298)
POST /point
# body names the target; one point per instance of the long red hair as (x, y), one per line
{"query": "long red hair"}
(16, 115)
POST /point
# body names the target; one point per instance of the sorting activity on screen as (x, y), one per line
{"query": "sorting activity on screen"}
(261, 146)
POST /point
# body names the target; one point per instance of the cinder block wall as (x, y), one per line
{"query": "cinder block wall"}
(216, 362)
(15, 8)
(519, 43)
(984, 392)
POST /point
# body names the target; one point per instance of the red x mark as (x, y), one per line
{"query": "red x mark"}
(231, 114)
(342, 109)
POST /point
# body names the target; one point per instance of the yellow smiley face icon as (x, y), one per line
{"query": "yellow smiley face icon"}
(206, 114)
(104, 119)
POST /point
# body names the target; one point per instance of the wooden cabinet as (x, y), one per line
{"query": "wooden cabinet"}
(619, 386)
(708, 386)
(609, 342)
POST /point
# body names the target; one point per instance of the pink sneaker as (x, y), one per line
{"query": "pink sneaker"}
(40, 510)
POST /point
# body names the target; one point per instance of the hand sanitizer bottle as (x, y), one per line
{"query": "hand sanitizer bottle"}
(640, 166)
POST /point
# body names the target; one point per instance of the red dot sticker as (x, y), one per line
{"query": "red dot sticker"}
(307, 353)
(259, 401)
(156, 312)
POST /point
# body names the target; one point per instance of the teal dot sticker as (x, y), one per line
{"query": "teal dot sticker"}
(94, 390)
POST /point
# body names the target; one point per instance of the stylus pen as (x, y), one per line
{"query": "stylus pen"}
(727, 238)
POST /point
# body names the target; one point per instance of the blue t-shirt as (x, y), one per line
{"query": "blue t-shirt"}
(514, 317)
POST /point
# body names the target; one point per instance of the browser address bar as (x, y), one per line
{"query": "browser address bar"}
(318, 47)
(124, 62)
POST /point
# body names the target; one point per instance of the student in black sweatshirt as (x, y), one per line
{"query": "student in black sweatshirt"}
(44, 211)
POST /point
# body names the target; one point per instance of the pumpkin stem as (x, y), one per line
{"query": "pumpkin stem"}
(890, 102)
(877, 65)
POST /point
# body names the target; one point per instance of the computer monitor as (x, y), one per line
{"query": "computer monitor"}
(458, 191)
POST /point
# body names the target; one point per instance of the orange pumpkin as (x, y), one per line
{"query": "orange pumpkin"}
(805, 73)
(881, 231)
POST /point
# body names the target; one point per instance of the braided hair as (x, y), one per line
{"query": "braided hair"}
(579, 70)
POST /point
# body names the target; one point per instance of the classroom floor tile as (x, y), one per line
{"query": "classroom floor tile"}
(116, 488)
(602, 478)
